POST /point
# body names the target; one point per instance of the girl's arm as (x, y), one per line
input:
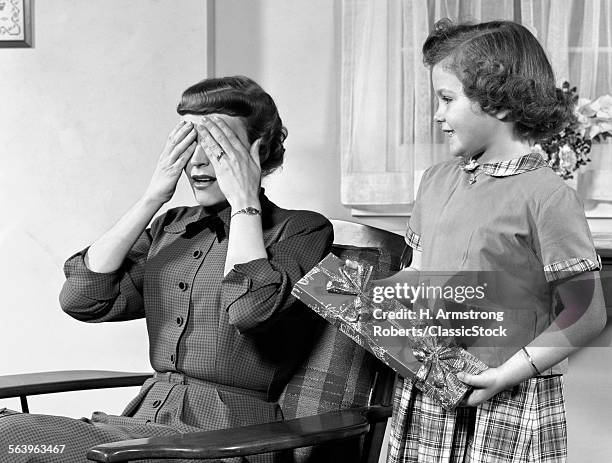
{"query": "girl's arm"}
(108, 253)
(415, 264)
(582, 319)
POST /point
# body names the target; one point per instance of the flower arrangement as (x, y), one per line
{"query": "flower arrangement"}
(570, 148)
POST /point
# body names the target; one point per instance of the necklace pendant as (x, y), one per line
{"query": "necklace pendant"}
(472, 179)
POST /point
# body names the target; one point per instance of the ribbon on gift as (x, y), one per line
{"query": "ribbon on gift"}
(438, 362)
(353, 281)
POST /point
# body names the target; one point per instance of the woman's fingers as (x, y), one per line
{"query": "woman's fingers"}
(178, 133)
(183, 159)
(254, 152)
(225, 135)
(179, 139)
(221, 140)
(238, 176)
(180, 148)
(210, 145)
(173, 134)
(216, 141)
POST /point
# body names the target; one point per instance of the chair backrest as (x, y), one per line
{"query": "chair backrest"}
(339, 373)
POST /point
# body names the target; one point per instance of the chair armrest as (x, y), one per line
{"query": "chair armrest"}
(247, 440)
(62, 381)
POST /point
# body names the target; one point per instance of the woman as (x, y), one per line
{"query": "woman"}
(213, 281)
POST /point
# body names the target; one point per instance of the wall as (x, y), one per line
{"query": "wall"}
(292, 48)
(84, 114)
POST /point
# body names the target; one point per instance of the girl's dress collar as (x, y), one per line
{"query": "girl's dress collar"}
(526, 163)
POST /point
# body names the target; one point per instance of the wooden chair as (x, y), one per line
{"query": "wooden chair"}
(335, 427)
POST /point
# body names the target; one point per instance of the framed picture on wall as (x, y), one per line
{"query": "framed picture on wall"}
(15, 23)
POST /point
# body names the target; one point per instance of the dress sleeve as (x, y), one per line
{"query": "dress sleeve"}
(256, 292)
(413, 228)
(563, 240)
(99, 297)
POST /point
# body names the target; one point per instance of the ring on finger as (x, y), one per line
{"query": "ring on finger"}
(220, 155)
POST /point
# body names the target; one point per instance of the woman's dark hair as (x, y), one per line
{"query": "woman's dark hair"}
(502, 66)
(239, 96)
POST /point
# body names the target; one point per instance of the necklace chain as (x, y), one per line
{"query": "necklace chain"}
(475, 173)
(474, 169)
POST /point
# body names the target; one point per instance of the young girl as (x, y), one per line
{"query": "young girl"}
(497, 207)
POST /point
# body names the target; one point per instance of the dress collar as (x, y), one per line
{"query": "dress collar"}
(212, 217)
(515, 166)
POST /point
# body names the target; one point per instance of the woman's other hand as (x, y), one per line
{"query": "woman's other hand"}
(237, 167)
(178, 150)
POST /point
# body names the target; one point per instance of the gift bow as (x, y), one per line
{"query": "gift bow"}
(439, 362)
(354, 278)
(436, 376)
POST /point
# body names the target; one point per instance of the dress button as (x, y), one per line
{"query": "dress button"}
(179, 321)
(156, 403)
(172, 358)
(182, 285)
(147, 422)
(197, 254)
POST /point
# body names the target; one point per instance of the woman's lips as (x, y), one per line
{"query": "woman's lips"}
(201, 182)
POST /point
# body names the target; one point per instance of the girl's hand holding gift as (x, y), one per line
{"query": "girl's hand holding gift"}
(487, 384)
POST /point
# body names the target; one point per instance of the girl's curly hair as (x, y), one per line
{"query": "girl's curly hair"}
(240, 96)
(502, 66)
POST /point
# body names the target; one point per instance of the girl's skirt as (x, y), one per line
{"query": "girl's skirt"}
(522, 425)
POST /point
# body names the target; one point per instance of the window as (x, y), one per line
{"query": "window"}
(387, 105)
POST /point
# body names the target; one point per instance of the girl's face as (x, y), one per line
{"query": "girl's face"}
(199, 170)
(470, 130)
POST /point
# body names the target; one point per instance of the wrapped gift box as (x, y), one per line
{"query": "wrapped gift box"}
(341, 293)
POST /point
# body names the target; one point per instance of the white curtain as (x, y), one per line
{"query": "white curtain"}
(369, 173)
(387, 133)
(577, 35)
(388, 137)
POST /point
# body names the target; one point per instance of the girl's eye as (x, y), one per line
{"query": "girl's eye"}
(446, 99)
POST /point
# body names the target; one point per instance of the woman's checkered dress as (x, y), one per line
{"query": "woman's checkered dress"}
(222, 347)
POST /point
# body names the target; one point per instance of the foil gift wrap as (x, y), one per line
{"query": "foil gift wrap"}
(341, 293)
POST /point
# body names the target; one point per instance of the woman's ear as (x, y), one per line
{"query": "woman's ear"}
(501, 115)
